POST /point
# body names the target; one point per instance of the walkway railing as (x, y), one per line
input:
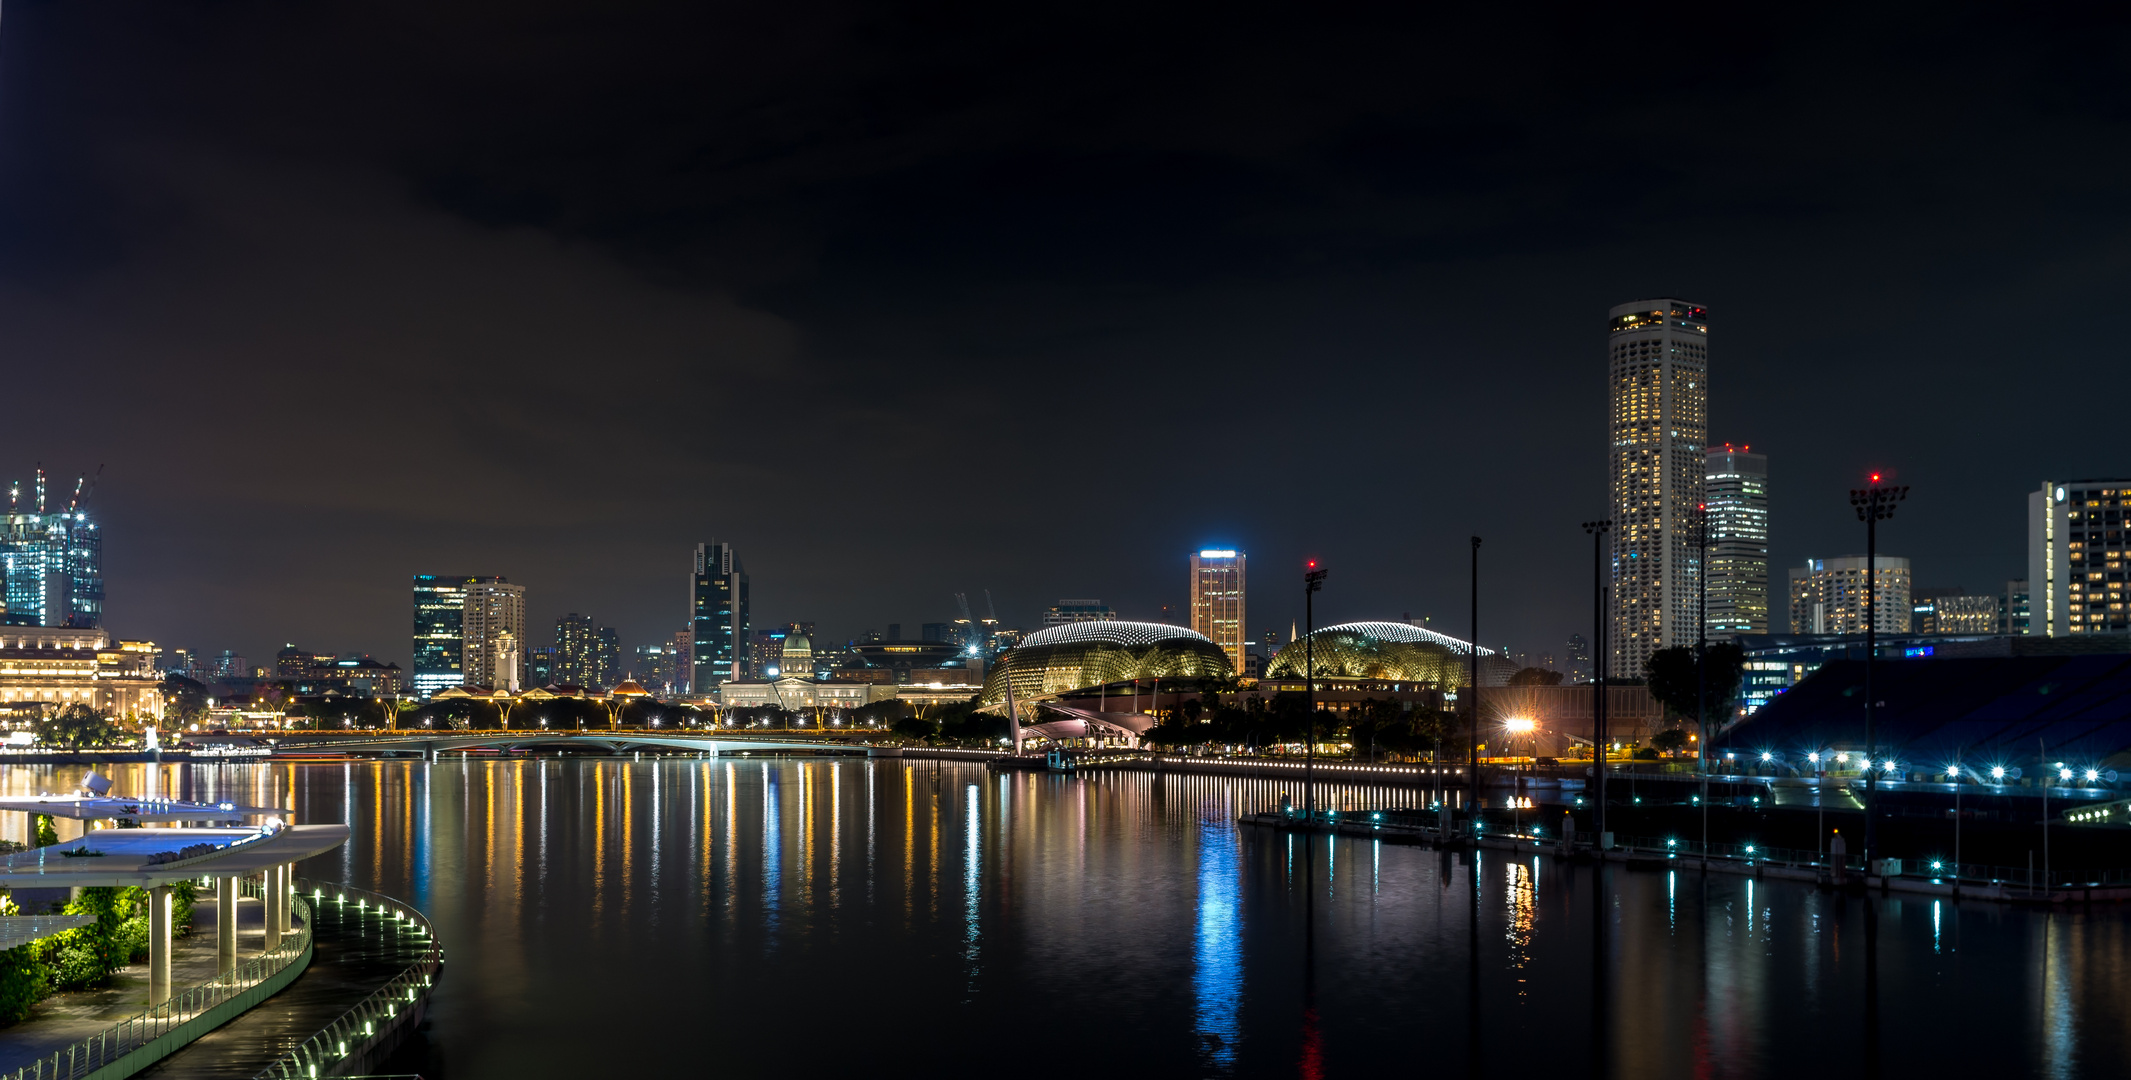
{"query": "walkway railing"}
(134, 1032)
(316, 1055)
(1944, 870)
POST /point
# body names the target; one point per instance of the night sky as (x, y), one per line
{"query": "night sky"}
(922, 299)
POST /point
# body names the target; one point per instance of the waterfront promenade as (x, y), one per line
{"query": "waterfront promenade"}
(64, 1019)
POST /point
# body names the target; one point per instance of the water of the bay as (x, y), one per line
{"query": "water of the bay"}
(604, 916)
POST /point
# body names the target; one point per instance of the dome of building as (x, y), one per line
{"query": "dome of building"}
(1075, 656)
(1399, 652)
(798, 653)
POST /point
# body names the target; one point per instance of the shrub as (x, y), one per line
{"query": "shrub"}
(85, 956)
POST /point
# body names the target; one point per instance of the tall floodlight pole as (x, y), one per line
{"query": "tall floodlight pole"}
(1701, 665)
(1874, 504)
(1472, 731)
(1312, 580)
(1597, 529)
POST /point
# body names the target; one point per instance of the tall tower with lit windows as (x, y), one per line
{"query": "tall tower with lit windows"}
(1735, 488)
(1217, 600)
(717, 617)
(1657, 360)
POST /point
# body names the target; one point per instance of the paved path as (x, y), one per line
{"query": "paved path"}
(357, 952)
(62, 1020)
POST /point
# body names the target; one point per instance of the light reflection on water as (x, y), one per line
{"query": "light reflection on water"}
(1217, 947)
(698, 914)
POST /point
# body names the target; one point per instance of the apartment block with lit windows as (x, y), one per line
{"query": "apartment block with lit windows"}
(2076, 555)
(493, 647)
(1657, 356)
(1828, 596)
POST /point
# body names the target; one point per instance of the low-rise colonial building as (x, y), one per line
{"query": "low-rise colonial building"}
(47, 668)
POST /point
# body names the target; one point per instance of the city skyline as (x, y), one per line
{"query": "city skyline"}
(1305, 288)
(764, 493)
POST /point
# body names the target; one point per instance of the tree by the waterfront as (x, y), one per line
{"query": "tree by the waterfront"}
(78, 727)
(1673, 679)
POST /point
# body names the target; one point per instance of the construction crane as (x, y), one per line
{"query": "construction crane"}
(84, 486)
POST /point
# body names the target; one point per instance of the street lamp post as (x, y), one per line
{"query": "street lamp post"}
(1874, 504)
(1597, 529)
(1472, 768)
(1312, 580)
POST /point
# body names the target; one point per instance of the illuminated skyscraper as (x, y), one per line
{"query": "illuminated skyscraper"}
(681, 652)
(1657, 377)
(493, 623)
(1828, 596)
(717, 605)
(2076, 554)
(587, 654)
(1217, 600)
(1735, 489)
(53, 561)
(439, 640)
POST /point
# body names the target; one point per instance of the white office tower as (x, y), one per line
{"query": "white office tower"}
(1828, 596)
(1658, 379)
(2076, 557)
(1735, 491)
(494, 628)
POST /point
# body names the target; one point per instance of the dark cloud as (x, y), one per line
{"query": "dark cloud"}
(920, 299)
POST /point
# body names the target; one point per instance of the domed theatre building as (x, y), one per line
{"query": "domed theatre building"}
(1124, 665)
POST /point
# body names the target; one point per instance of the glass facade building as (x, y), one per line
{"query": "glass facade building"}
(54, 570)
(718, 617)
(439, 641)
(1735, 499)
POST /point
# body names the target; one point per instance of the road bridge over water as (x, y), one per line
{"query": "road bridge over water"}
(429, 744)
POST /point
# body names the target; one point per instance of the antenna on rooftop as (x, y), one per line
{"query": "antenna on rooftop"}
(40, 487)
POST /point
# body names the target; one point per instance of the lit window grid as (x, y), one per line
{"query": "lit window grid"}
(1217, 602)
(2085, 536)
(1659, 408)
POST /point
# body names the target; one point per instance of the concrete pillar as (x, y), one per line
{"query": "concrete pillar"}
(225, 925)
(269, 920)
(287, 912)
(158, 945)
